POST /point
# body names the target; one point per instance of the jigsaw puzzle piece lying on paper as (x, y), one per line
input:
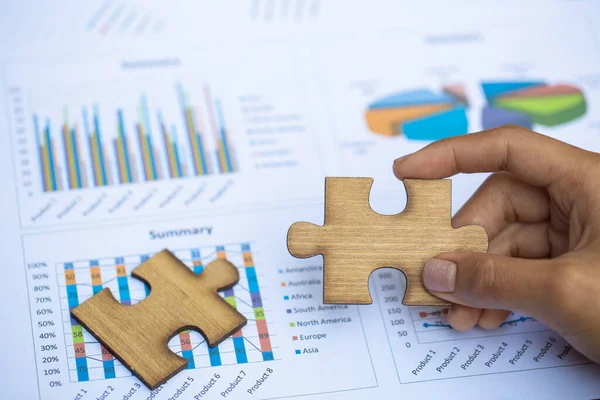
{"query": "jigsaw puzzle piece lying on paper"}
(355, 240)
(179, 299)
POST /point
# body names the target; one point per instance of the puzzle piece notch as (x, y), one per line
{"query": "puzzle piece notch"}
(355, 241)
(179, 299)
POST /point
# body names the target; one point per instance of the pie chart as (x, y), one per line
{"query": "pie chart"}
(420, 114)
(529, 103)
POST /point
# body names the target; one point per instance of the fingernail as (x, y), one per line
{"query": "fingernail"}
(397, 160)
(439, 275)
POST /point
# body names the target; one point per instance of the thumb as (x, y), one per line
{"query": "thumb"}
(483, 280)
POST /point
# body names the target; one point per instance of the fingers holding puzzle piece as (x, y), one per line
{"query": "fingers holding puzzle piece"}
(355, 241)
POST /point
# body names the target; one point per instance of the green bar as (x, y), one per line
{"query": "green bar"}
(231, 301)
(77, 331)
(259, 313)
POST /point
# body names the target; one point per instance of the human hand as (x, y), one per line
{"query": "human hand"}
(541, 210)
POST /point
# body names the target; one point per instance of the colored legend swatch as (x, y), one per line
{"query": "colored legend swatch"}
(85, 278)
(85, 154)
(420, 114)
(526, 103)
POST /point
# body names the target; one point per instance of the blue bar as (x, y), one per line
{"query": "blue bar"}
(123, 283)
(189, 355)
(36, 127)
(72, 296)
(125, 148)
(50, 149)
(76, 157)
(118, 160)
(196, 257)
(67, 162)
(141, 143)
(144, 101)
(222, 131)
(88, 135)
(124, 290)
(148, 132)
(240, 350)
(268, 356)
(201, 147)
(181, 99)
(109, 369)
(152, 160)
(82, 369)
(252, 280)
(215, 356)
(176, 150)
(99, 143)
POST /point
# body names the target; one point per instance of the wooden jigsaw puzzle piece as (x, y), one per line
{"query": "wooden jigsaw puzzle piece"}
(355, 241)
(138, 335)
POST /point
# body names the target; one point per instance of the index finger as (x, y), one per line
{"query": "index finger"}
(533, 157)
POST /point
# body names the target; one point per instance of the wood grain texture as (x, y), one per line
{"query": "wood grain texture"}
(179, 299)
(355, 240)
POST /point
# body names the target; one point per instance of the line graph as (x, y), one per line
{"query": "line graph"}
(88, 360)
(426, 347)
(431, 325)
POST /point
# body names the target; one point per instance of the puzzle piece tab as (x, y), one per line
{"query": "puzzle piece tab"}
(355, 241)
(179, 299)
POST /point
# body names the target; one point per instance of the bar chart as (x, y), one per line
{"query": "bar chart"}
(120, 137)
(88, 360)
(288, 328)
(87, 150)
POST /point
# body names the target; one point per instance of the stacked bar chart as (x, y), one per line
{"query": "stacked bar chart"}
(420, 114)
(531, 102)
(88, 360)
(136, 143)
